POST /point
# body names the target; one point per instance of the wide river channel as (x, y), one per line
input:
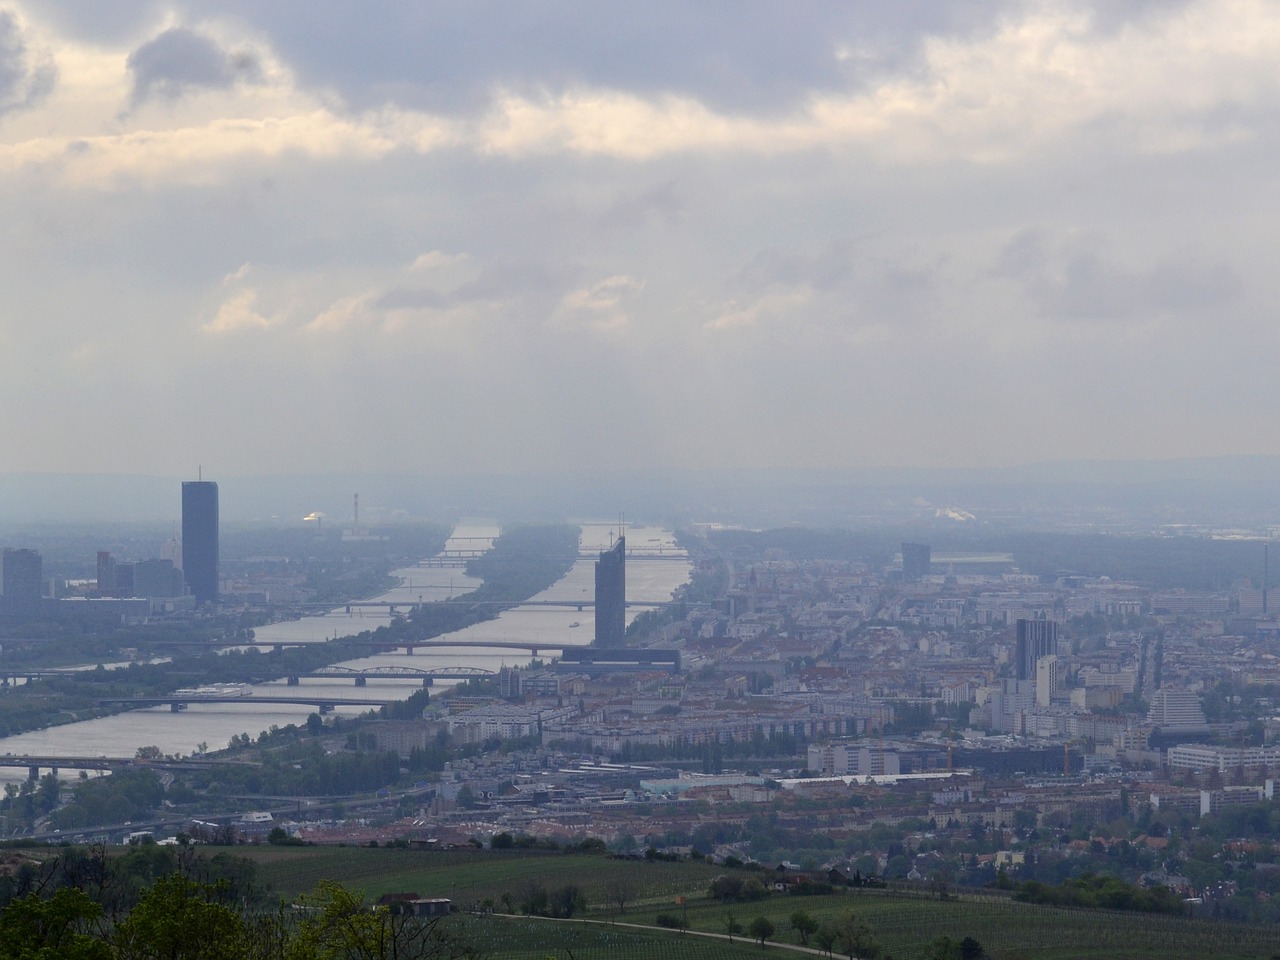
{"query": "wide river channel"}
(214, 724)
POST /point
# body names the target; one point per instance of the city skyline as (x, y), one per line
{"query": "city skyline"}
(734, 237)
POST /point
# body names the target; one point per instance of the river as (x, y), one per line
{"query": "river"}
(214, 724)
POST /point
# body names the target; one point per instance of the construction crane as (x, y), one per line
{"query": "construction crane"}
(1066, 755)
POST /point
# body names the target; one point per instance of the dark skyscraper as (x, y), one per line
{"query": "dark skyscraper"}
(23, 584)
(611, 595)
(106, 574)
(1036, 639)
(200, 539)
(916, 558)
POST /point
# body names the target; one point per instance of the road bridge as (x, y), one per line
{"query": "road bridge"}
(410, 645)
(394, 606)
(178, 703)
(37, 762)
(361, 677)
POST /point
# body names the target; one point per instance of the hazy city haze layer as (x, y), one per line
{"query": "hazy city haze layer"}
(1119, 495)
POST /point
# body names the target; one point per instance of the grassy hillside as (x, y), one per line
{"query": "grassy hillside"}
(514, 939)
(468, 877)
(903, 925)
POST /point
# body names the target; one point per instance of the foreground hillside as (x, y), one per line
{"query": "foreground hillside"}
(607, 893)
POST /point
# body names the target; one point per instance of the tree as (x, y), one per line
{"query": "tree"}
(855, 938)
(47, 792)
(180, 919)
(804, 925)
(340, 926)
(945, 948)
(534, 899)
(825, 938)
(1024, 821)
(731, 924)
(502, 841)
(54, 928)
(726, 889)
(619, 890)
(567, 900)
(940, 880)
(761, 929)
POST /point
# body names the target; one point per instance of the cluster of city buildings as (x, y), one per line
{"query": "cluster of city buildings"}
(962, 670)
(183, 578)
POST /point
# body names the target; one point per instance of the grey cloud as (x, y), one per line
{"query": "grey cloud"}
(1111, 16)
(663, 202)
(1082, 284)
(414, 298)
(502, 280)
(1022, 255)
(742, 55)
(93, 20)
(23, 83)
(181, 59)
(519, 278)
(1093, 289)
(771, 267)
(1192, 286)
(828, 269)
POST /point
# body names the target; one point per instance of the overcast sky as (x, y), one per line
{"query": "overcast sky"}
(312, 235)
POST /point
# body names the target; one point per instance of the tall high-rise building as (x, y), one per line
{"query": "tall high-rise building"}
(124, 580)
(23, 579)
(1036, 639)
(611, 595)
(106, 574)
(1048, 681)
(200, 539)
(916, 559)
(156, 579)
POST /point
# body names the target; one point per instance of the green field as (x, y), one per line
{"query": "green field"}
(902, 924)
(513, 939)
(1007, 929)
(468, 877)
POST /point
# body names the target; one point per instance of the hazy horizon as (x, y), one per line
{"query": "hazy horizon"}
(1121, 495)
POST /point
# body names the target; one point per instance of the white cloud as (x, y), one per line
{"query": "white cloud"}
(239, 314)
(774, 306)
(1031, 81)
(602, 306)
(239, 274)
(437, 260)
(343, 315)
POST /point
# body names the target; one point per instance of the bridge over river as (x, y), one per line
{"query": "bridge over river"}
(395, 606)
(533, 647)
(361, 677)
(178, 702)
(36, 762)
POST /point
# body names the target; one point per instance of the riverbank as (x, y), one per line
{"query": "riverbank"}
(522, 562)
